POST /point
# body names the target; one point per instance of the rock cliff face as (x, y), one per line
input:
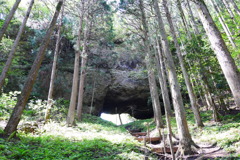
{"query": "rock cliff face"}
(111, 91)
(115, 83)
(128, 93)
(106, 91)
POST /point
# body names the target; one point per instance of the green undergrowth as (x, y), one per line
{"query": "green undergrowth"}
(93, 138)
(226, 134)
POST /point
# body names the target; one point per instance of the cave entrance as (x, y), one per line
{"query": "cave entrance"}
(118, 119)
(136, 108)
(132, 101)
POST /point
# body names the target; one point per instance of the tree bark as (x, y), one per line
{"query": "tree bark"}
(151, 76)
(224, 25)
(228, 8)
(93, 92)
(234, 5)
(15, 45)
(164, 90)
(231, 13)
(72, 106)
(9, 18)
(208, 95)
(225, 60)
(183, 131)
(83, 69)
(23, 98)
(191, 94)
(183, 17)
(162, 79)
(192, 18)
(54, 69)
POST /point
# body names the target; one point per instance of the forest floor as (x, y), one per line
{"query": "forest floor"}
(94, 138)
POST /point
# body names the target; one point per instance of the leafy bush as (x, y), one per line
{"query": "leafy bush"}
(7, 103)
(35, 108)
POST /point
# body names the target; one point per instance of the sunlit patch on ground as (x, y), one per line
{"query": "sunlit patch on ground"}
(114, 118)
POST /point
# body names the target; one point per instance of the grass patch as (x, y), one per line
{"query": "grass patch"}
(51, 147)
(93, 138)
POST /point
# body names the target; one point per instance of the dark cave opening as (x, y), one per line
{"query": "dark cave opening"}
(137, 108)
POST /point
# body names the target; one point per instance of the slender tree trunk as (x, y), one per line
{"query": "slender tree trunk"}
(54, 69)
(191, 94)
(164, 90)
(204, 89)
(183, 131)
(192, 18)
(228, 8)
(218, 96)
(15, 45)
(151, 76)
(120, 119)
(227, 63)
(224, 25)
(183, 17)
(198, 83)
(23, 98)
(196, 31)
(234, 5)
(9, 18)
(81, 86)
(83, 69)
(162, 79)
(231, 13)
(72, 106)
(198, 91)
(209, 98)
(93, 93)
(154, 95)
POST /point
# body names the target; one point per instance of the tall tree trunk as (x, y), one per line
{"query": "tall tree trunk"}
(151, 76)
(218, 91)
(93, 92)
(164, 90)
(183, 68)
(54, 69)
(224, 25)
(208, 95)
(183, 17)
(234, 5)
(198, 91)
(83, 69)
(192, 18)
(72, 106)
(231, 13)
(228, 8)
(154, 94)
(227, 63)
(15, 45)
(183, 131)
(23, 98)
(162, 79)
(9, 18)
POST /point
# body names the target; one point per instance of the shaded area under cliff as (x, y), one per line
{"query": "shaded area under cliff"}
(135, 106)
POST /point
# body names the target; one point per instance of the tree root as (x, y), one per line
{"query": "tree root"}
(190, 150)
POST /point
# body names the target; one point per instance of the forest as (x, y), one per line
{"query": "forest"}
(119, 79)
